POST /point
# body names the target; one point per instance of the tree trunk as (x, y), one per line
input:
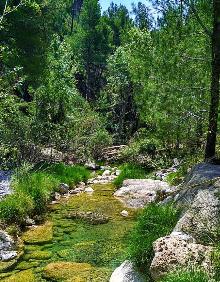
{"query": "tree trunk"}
(214, 106)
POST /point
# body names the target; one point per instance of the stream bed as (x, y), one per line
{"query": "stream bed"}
(67, 248)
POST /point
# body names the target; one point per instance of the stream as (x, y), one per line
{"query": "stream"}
(5, 183)
(73, 249)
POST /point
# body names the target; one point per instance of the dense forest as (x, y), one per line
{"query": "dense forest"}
(76, 79)
(109, 141)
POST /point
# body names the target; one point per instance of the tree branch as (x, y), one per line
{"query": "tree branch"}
(199, 20)
(10, 11)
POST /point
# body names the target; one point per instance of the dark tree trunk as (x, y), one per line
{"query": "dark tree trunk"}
(214, 106)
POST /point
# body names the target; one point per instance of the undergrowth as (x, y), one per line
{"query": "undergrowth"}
(129, 171)
(154, 222)
(32, 190)
(191, 275)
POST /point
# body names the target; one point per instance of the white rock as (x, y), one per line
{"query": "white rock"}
(124, 213)
(89, 190)
(136, 193)
(106, 173)
(57, 196)
(7, 255)
(117, 172)
(126, 272)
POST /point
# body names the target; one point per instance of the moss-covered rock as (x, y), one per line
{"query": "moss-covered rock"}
(24, 265)
(38, 255)
(66, 270)
(23, 276)
(41, 234)
(75, 272)
(7, 265)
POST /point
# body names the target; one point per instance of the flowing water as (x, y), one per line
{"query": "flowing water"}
(5, 177)
(68, 249)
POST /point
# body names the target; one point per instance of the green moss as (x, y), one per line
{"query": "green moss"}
(72, 272)
(102, 246)
(38, 255)
(40, 235)
(24, 265)
(22, 276)
(7, 265)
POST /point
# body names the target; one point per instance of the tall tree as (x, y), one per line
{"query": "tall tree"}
(215, 87)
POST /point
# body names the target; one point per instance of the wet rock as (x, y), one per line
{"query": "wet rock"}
(124, 213)
(76, 191)
(57, 196)
(178, 250)
(106, 173)
(126, 272)
(136, 193)
(64, 188)
(89, 190)
(90, 217)
(29, 221)
(92, 165)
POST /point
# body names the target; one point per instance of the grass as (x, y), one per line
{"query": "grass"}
(194, 275)
(154, 222)
(39, 187)
(33, 189)
(70, 175)
(129, 171)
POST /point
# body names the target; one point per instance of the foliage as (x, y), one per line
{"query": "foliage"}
(70, 175)
(154, 222)
(191, 275)
(39, 187)
(15, 208)
(33, 188)
(129, 171)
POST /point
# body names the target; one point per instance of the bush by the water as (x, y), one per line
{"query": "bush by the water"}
(154, 222)
(39, 187)
(32, 190)
(15, 208)
(192, 275)
(129, 171)
(70, 175)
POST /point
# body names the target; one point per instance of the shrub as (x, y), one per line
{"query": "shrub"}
(130, 171)
(154, 222)
(38, 186)
(193, 275)
(16, 207)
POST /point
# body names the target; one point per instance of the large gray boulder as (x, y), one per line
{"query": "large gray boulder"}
(126, 272)
(198, 226)
(136, 193)
(178, 250)
(201, 219)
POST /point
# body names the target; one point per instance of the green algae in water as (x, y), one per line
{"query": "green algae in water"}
(68, 241)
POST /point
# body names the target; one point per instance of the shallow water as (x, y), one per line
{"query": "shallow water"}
(65, 249)
(5, 177)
